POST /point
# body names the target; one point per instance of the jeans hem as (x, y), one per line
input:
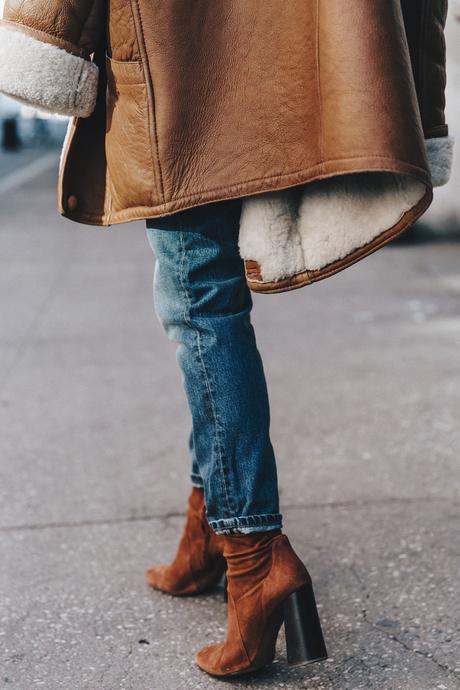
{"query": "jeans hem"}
(247, 524)
(196, 480)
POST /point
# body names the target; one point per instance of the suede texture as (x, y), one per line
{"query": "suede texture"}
(263, 571)
(199, 563)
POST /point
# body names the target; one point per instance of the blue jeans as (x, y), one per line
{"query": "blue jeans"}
(204, 304)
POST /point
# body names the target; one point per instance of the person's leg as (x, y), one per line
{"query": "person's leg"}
(203, 302)
(195, 476)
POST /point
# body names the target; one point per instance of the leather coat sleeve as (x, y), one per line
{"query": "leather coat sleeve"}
(75, 25)
(425, 21)
(47, 50)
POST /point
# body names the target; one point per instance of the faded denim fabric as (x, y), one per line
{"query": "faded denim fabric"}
(204, 304)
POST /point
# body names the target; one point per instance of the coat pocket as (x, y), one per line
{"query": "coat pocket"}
(129, 137)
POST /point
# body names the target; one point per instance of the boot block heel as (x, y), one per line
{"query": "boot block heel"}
(304, 637)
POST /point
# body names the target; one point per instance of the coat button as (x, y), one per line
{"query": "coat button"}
(72, 203)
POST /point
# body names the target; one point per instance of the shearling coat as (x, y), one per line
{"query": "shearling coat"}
(326, 116)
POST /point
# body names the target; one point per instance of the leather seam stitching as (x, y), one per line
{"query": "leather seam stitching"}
(318, 83)
(274, 178)
(423, 34)
(152, 104)
(293, 172)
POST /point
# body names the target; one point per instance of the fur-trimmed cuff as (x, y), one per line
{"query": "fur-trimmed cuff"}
(45, 76)
(440, 153)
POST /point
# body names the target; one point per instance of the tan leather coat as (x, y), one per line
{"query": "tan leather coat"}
(203, 101)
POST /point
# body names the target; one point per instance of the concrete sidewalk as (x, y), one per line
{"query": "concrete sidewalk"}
(364, 376)
(13, 161)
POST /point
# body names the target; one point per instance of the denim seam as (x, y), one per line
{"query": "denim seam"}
(245, 530)
(203, 366)
(247, 520)
(247, 523)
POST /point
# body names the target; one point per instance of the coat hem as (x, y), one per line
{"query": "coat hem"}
(251, 187)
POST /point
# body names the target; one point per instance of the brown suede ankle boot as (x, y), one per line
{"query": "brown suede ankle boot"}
(267, 583)
(199, 562)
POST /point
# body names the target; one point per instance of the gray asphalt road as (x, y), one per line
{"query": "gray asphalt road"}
(364, 377)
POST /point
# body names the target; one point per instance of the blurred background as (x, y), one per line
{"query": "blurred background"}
(26, 128)
(364, 378)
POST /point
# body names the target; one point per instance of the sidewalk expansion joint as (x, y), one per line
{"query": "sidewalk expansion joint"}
(166, 516)
(395, 638)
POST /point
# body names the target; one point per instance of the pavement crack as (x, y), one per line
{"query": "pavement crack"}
(90, 523)
(394, 638)
(180, 514)
(364, 503)
(407, 647)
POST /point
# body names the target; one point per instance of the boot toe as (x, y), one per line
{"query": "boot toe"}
(222, 660)
(170, 581)
(155, 576)
(209, 659)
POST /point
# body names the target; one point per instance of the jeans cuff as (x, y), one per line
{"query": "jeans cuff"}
(196, 480)
(247, 524)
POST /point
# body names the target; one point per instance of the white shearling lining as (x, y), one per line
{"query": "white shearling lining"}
(45, 76)
(306, 228)
(289, 233)
(440, 152)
